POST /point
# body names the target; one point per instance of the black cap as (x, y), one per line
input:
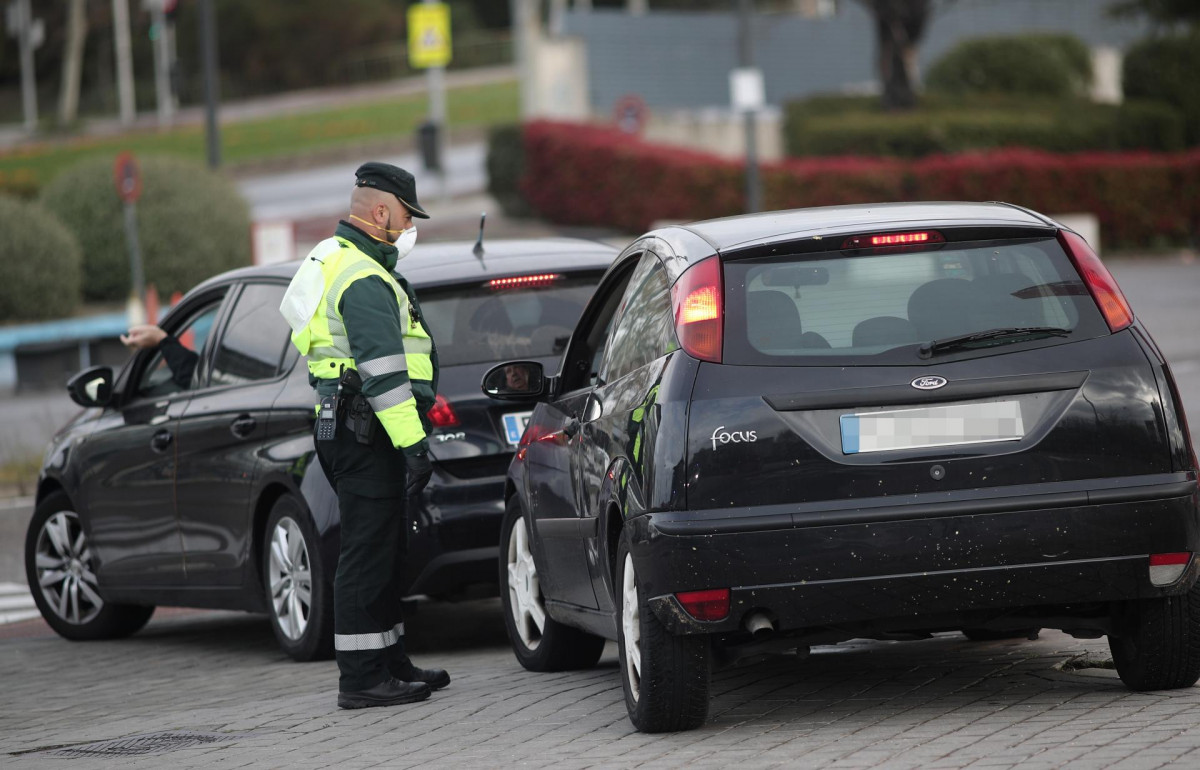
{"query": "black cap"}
(392, 179)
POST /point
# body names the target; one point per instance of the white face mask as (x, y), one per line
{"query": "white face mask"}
(404, 244)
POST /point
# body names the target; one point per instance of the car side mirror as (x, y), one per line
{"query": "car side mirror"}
(92, 387)
(515, 381)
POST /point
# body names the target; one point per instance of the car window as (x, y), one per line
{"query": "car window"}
(644, 328)
(883, 305)
(582, 365)
(158, 378)
(519, 317)
(253, 343)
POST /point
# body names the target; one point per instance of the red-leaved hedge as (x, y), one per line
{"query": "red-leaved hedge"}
(588, 175)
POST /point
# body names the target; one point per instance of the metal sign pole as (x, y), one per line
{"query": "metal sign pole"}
(137, 292)
(746, 61)
(435, 77)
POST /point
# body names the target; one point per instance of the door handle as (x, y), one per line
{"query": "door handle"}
(243, 426)
(161, 440)
(571, 428)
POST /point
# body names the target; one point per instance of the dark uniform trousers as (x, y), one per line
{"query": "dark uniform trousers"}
(369, 480)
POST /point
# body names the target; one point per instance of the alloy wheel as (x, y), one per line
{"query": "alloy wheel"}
(631, 627)
(289, 574)
(524, 590)
(65, 569)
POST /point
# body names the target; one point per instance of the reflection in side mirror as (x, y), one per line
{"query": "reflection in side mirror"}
(515, 380)
(92, 387)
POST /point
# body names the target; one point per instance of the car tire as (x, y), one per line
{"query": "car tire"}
(60, 568)
(539, 642)
(665, 676)
(1155, 643)
(297, 584)
(990, 635)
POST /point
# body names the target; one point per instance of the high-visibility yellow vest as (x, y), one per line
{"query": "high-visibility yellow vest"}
(323, 339)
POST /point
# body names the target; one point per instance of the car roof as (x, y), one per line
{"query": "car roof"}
(750, 230)
(450, 262)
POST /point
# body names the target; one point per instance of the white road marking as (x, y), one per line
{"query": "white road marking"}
(16, 603)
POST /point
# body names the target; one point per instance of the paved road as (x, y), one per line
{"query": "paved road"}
(326, 190)
(939, 703)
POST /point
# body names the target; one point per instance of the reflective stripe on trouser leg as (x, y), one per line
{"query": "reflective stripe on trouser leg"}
(361, 642)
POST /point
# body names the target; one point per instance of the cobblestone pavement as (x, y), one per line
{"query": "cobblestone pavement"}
(217, 684)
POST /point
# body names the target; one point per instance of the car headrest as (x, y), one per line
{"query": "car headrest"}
(772, 320)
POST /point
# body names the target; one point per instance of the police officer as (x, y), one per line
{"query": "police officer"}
(374, 367)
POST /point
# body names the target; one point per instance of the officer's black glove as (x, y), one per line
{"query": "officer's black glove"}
(419, 471)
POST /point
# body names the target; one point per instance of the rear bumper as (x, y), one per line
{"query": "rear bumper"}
(895, 566)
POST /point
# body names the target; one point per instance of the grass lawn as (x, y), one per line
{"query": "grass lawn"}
(30, 167)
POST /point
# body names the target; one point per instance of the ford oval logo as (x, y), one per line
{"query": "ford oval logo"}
(932, 382)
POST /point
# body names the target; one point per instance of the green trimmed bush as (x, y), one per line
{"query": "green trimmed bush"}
(588, 175)
(829, 127)
(192, 224)
(42, 263)
(505, 164)
(1033, 65)
(1167, 70)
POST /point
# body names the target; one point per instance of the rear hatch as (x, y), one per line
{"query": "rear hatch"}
(476, 326)
(940, 364)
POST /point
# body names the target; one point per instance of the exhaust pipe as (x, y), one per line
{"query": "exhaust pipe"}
(759, 625)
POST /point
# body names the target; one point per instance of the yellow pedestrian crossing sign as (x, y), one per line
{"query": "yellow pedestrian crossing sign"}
(428, 35)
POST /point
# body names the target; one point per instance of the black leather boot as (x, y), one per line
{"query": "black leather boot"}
(390, 692)
(436, 678)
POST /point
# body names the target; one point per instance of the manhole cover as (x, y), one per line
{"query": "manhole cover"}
(134, 745)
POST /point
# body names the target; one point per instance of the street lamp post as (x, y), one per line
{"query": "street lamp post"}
(747, 97)
(123, 45)
(212, 95)
(29, 33)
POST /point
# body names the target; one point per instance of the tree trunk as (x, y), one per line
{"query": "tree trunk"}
(899, 25)
(73, 44)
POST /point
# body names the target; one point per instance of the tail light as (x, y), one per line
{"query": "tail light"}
(699, 301)
(712, 604)
(1100, 282)
(441, 414)
(1166, 568)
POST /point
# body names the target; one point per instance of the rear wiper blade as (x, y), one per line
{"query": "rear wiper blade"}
(1055, 289)
(997, 336)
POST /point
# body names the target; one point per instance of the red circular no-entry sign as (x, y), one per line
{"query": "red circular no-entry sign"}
(128, 177)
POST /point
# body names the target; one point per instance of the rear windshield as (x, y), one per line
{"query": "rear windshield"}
(477, 324)
(822, 309)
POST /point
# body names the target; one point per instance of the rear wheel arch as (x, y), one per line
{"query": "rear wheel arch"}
(614, 522)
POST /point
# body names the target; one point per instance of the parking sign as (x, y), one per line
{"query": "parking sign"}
(428, 35)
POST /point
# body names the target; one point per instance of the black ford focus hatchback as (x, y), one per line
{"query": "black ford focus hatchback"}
(803, 427)
(207, 493)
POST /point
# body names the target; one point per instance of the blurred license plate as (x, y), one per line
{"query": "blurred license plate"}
(932, 426)
(514, 426)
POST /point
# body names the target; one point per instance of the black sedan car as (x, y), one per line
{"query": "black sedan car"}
(209, 495)
(803, 427)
